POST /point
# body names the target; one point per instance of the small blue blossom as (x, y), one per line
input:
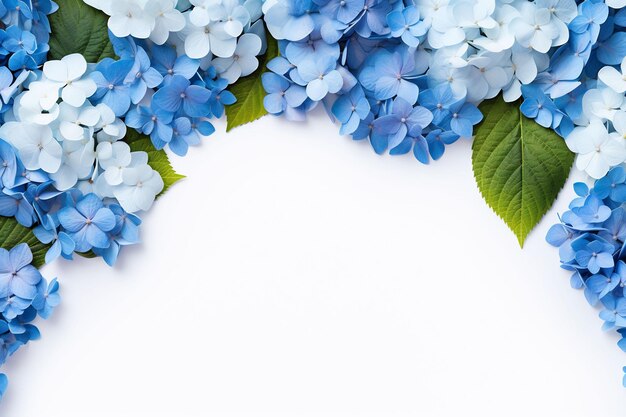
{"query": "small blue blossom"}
(153, 121)
(463, 118)
(612, 185)
(110, 77)
(350, 109)
(87, 223)
(15, 205)
(47, 299)
(179, 94)
(614, 313)
(389, 75)
(594, 254)
(168, 64)
(8, 165)
(142, 77)
(17, 275)
(402, 119)
(320, 77)
(406, 24)
(281, 93)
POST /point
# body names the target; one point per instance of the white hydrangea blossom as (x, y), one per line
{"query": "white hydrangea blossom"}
(600, 140)
(154, 19)
(56, 129)
(487, 46)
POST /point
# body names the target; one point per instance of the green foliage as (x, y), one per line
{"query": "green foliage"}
(519, 166)
(249, 92)
(12, 234)
(157, 159)
(79, 28)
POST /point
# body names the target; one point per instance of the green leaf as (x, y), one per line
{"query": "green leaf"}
(12, 234)
(79, 28)
(157, 159)
(519, 166)
(249, 92)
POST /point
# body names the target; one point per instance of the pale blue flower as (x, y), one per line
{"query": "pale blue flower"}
(87, 223)
(406, 24)
(17, 275)
(320, 77)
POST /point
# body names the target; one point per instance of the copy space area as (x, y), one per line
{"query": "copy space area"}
(296, 273)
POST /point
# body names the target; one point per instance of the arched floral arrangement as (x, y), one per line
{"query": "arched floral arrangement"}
(94, 92)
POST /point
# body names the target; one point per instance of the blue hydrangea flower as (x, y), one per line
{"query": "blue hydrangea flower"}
(438, 140)
(389, 75)
(152, 121)
(168, 64)
(15, 205)
(88, 223)
(17, 275)
(350, 109)
(8, 165)
(613, 185)
(47, 299)
(281, 93)
(61, 243)
(142, 76)
(406, 24)
(463, 118)
(320, 77)
(402, 118)
(614, 313)
(113, 90)
(179, 94)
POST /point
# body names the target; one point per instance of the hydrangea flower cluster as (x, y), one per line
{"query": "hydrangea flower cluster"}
(592, 245)
(409, 75)
(69, 221)
(61, 123)
(24, 295)
(24, 36)
(167, 96)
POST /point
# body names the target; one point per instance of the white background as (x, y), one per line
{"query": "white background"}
(296, 273)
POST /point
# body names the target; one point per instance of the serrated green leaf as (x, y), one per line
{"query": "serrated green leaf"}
(79, 28)
(157, 159)
(12, 234)
(519, 166)
(249, 92)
